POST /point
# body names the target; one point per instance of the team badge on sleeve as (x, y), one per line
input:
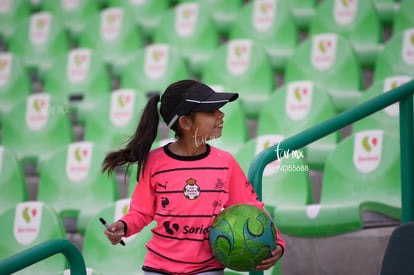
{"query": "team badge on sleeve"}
(191, 189)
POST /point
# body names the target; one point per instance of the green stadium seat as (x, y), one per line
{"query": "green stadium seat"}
(13, 187)
(89, 271)
(242, 66)
(270, 24)
(356, 21)
(403, 18)
(28, 224)
(147, 14)
(71, 182)
(36, 127)
(11, 12)
(297, 106)
(78, 77)
(286, 182)
(154, 68)
(191, 31)
(397, 57)
(302, 12)
(330, 61)
(386, 10)
(72, 14)
(386, 119)
(361, 174)
(99, 253)
(114, 35)
(223, 13)
(38, 40)
(15, 82)
(115, 119)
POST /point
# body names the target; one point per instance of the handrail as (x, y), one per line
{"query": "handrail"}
(42, 251)
(403, 94)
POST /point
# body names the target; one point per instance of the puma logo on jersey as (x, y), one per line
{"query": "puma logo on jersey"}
(163, 186)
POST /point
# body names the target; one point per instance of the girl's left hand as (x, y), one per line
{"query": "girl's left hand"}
(268, 263)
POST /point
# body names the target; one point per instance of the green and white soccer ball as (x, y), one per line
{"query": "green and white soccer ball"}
(242, 236)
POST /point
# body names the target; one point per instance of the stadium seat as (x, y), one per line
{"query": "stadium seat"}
(361, 174)
(115, 119)
(36, 127)
(403, 18)
(281, 185)
(399, 252)
(147, 14)
(191, 31)
(114, 35)
(11, 12)
(302, 12)
(330, 61)
(386, 10)
(242, 66)
(72, 14)
(386, 119)
(26, 225)
(356, 21)
(15, 82)
(89, 271)
(38, 40)
(99, 253)
(71, 181)
(13, 187)
(297, 106)
(154, 68)
(269, 23)
(79, 77)
(397, 57)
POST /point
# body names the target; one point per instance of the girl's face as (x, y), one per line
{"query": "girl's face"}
(207, 125)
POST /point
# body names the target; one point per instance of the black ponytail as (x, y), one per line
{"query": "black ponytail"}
(139, 145)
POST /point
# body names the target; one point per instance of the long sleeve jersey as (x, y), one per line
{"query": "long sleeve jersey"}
(184, 195)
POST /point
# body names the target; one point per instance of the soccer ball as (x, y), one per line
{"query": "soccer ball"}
(242, 236)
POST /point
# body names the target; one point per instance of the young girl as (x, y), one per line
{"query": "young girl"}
(183, 185)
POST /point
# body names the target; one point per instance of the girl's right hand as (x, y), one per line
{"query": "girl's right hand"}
(117, 232)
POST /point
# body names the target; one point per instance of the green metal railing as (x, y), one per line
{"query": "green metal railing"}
(403, 94)
(43, 251)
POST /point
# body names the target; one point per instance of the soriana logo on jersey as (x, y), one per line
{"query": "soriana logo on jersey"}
(121, 209)
(156, 60)
(78, 65)
(264, 12)
(37, 111)
(264, 142)
(367, 150)
(299, 99)
(40, 27)
(121, 107)
(186, 19)
(392, 83)
(5, 6)
(5, 68)
(27, 220)
(78, 160)
(408, 47)
(345, 11)
(323, 51)
(238, 56)
(111, 23)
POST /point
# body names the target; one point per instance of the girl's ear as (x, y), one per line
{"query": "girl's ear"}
(184, 122)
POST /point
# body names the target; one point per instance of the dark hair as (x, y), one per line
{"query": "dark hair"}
(139, 145)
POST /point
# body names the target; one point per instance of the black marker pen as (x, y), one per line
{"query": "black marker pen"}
(109, 228)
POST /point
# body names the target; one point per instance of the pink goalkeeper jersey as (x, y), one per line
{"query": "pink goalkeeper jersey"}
(184, 195)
